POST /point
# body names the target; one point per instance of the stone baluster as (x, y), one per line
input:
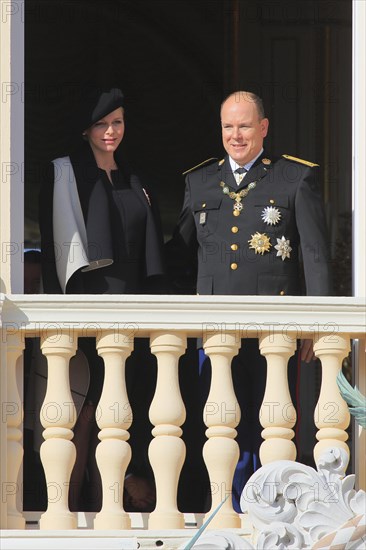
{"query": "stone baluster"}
(58, 416)
(167, 413)
(277, 415)
(114, 417)
(331, 413)
(221, 416)
(14, 416)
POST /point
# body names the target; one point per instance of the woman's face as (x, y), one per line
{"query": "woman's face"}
(105, 135)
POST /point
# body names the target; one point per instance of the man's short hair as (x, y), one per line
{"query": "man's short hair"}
(248, 96)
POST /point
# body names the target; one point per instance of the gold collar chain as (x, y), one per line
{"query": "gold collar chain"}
(237, 197)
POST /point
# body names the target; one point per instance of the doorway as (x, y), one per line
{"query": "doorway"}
(176, 60)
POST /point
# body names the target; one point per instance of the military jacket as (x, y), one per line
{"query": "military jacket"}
(259, 249)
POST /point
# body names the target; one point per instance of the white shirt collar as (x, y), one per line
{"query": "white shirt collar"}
(234, 165)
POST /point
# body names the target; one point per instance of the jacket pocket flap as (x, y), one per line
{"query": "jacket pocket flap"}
(211, 204)
(270, 200)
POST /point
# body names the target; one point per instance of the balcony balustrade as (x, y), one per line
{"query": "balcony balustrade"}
(222, 323)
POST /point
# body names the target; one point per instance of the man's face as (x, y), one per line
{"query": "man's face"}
(242, 130)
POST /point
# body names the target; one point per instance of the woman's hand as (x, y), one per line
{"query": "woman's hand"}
(141, 493)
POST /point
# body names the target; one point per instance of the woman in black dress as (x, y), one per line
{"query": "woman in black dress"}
(100, 234)
(100, 230)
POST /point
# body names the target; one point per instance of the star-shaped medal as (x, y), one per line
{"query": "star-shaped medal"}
(260, 243)
(283, 248)
(271, 215)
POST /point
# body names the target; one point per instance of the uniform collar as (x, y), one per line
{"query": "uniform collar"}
(256, 172)
(234, 165)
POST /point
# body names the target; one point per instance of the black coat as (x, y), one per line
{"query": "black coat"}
(207, 230)
(121, 221)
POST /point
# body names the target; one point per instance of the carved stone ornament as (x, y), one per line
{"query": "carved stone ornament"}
(296, 507)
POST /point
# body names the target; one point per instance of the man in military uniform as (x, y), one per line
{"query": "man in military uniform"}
(246, 218)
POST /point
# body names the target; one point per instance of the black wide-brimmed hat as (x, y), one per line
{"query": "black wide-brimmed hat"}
(97, 103)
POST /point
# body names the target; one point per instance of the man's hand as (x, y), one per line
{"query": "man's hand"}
(306, 351)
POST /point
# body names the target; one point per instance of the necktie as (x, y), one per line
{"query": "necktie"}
(239, 174)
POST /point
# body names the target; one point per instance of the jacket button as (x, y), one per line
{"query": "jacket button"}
(234, 229)
(234, 266)
(234, 247)
(282, 293)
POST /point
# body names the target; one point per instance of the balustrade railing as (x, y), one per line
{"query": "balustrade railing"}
(221, 322)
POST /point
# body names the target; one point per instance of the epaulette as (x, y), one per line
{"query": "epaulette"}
(301, 161)
(208, 161)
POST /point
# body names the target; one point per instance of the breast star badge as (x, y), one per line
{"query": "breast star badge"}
(271, 215)
(260, 243)
(283, 248)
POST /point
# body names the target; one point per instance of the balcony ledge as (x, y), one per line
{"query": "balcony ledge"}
(245, 315)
